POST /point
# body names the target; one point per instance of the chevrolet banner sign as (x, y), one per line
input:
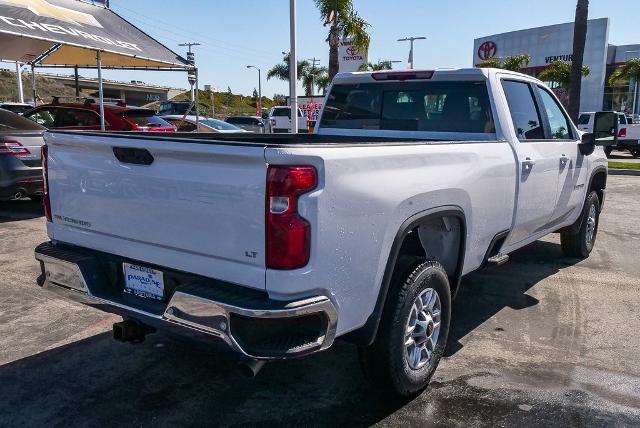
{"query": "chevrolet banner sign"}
(75, 23)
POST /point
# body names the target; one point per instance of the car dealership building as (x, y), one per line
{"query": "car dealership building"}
(555, 42)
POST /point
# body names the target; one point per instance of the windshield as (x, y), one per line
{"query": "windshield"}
(219, 125)
(410, 106)
(584, 119)
(144, 117)
(10, 121)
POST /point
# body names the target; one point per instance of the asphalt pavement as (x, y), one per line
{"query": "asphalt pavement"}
(543, 340)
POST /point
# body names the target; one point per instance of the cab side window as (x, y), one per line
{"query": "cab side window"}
(524, 113)
(43, 117)
(559, 124)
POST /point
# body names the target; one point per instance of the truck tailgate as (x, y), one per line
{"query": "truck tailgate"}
(197, 207)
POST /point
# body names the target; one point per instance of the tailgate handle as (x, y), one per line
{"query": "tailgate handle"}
(133, 155)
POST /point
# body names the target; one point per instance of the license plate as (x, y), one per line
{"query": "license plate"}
(143, 281)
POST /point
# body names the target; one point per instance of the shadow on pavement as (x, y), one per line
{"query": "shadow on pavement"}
(20, 209)
(172, 381)
(485, 292)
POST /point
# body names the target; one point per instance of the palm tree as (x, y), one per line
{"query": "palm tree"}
(307, 74)
(512, 62)
(378, 66)
(346, 23)
(322, 82)
(560, 73)
(628, 72)
(516, 62)
(577, 70)
(310, 76)
(281, 70)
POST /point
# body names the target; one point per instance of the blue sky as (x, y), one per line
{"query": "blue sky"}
(240, 32)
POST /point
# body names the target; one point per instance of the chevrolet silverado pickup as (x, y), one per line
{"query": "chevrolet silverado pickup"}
(279, 244)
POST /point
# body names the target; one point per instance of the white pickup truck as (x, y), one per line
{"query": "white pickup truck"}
(278, 245)
(628, 133)
(279, 119)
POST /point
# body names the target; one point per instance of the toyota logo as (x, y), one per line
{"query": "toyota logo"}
(352, 51)
(487, 50)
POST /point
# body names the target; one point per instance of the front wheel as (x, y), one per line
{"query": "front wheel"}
(413, 331)
(580, 244)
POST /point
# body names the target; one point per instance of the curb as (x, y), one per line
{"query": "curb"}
(634, 172)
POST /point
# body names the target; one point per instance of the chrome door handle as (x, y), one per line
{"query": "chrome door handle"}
(528, 163)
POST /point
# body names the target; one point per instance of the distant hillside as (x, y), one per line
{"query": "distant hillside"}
(225, 103)
(46, 87)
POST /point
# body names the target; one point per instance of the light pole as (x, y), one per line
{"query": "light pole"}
(259, 103)
(411, 40)
(293, 72)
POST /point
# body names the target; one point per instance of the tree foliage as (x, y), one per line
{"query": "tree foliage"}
(560, 73)
(306, 73)
(347, 24)
(513, 62)
(378, 66)
(630, 70)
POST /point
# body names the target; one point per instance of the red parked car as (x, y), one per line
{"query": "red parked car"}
(86, 117)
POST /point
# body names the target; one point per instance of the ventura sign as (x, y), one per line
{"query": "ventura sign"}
(349, 58)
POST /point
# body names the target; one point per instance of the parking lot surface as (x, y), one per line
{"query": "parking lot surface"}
(543, 340)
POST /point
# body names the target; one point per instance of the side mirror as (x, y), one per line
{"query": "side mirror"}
(605, 128)
(588, 139)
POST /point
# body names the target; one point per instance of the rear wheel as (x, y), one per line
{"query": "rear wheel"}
(635, 153)
(413, 331)
(580, 244)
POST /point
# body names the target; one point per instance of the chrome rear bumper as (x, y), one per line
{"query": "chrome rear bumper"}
(77, 274)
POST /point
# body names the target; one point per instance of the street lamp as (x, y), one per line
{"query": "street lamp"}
(411, 40)
(259, 103)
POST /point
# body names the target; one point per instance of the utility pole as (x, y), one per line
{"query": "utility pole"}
(192, 76)
(19, 82)
(293, 72)
(259, 103)
(411, 40)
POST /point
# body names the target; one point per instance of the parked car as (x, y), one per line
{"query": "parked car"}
(20, 160)
(628, 137)
(86, 116)
(280, 120)
(176, 107)
(19, 108)
(412, 180)
(248, 123)
(206, 124)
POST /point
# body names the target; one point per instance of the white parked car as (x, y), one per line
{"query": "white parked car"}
(280, 120)
(363, 230)
(206, 124)
(628, 134)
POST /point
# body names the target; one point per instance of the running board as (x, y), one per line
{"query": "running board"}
(498, 260)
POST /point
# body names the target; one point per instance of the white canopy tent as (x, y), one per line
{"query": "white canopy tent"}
(73, 33)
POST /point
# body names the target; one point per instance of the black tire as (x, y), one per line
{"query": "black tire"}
(635, 153)
(607, 151)
(384, 363)
(578, 244)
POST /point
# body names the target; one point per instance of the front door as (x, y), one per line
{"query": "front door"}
(538, 163)
(572, 173)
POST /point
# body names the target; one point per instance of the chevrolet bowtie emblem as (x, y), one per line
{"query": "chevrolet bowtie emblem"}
(44, 8)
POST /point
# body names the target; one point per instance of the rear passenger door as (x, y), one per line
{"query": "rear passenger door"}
(538, 162)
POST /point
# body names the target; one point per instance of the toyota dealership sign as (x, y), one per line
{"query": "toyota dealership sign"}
(349, 58)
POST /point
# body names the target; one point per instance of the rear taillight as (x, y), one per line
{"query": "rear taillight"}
(13, 148)
(46, 203)
(622, 132)
(288, 235)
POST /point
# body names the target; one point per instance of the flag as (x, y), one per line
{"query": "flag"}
(330, 18)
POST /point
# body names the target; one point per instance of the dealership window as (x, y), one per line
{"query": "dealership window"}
(522, 106)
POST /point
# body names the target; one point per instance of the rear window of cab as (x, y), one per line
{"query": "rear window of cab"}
(452, 106)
